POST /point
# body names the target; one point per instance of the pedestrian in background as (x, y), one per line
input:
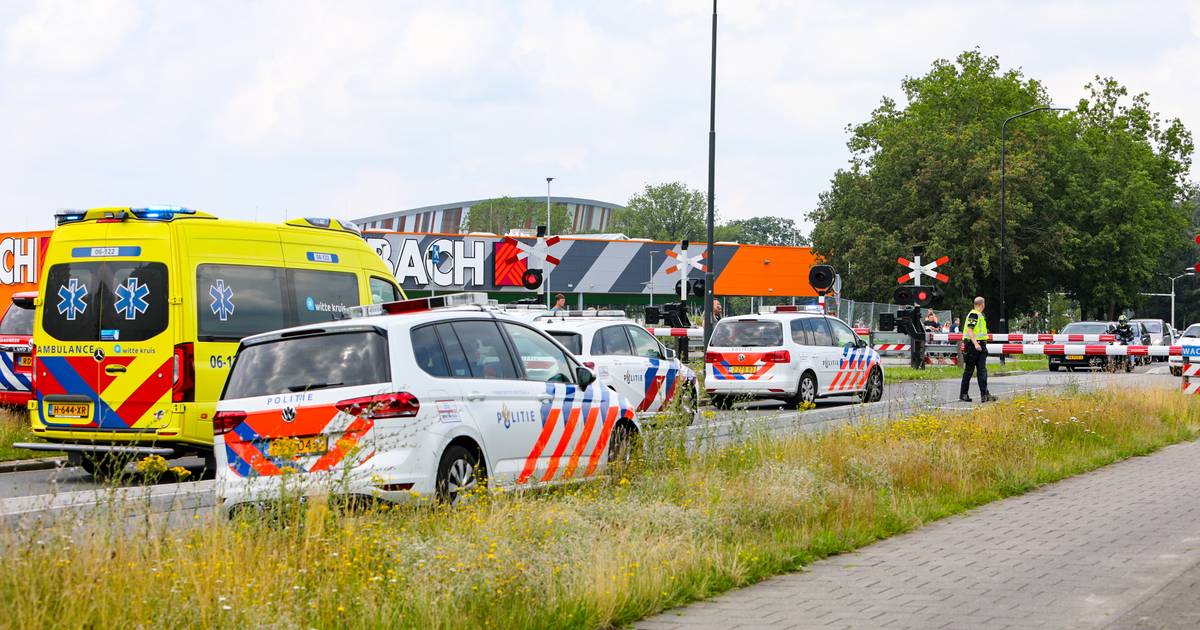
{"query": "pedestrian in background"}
(716, 310)
(560, 305)
(974, 349)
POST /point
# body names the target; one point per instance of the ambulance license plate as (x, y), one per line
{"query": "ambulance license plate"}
(293, 447)
(1075, 357)
(743, 369)
(24, 360)
(70, 410)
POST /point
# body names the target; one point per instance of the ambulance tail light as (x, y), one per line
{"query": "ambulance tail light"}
(226, 421)
(778, 356)
(397, 405)
(712, 357)
(183, 374)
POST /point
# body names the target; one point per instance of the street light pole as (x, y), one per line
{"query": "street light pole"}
(546, 267)
(1003, 163)
(712, 156)
(1189, 272)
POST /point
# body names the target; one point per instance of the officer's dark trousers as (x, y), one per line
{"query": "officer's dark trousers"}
(974, 360)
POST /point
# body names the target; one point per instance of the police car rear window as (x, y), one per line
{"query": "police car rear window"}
(748, 333)
(105, 301)
(569, 340)
(17, 321)
(315, 362)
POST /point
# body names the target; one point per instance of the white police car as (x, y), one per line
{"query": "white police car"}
(429, 397)
(792, 355)
(625, 357)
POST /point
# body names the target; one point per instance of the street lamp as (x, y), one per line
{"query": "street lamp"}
(546, 267)
(712, 159)
(1003, 159)
(1189, 272)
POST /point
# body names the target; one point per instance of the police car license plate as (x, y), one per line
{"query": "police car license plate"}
(24, 360)
(1075, 357)
(70, 410)
(743, 369)
(292, 447)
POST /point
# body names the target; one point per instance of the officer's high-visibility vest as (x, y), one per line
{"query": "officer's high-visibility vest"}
(978, 323)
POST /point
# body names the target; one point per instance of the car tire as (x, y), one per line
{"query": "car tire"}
(721, 401)
(459, 473)
(1053, 367)
(806, 390)
(874, 388)
(101, 466)
(1070, 368)
(1176, 371)
(621, 446)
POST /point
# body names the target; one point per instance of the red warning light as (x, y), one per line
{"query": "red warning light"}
(1197, 267)
(1198, 239)
(922, 296)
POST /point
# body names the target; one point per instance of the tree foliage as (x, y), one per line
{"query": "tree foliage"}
(500, 215)
(1092, 203)
(665, 212)
(765, 231)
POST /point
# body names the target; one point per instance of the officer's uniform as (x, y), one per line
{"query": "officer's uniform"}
(975, 359)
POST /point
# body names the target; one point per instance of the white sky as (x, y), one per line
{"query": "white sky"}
(254, 109)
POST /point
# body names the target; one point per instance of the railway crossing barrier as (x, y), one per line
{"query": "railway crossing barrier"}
(1191, 370)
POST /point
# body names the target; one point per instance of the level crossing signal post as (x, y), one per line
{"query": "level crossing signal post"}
(912, 298)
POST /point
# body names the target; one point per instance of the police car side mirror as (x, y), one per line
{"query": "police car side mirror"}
(860, 344)
(584, 377)
(668, 353)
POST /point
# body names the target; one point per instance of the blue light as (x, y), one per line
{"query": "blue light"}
(160, 212)
(67, 217)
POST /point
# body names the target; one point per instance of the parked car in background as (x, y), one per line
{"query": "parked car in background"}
(1159, 333)
(1079, 361)
(1190, 337)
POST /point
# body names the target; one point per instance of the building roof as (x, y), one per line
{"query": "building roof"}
(465, 204)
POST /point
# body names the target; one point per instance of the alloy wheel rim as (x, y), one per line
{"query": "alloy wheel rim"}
(807, 391)
(460, 478)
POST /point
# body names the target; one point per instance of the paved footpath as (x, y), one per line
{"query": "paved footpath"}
(1114, 548)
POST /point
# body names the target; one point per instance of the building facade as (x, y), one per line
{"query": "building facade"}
(587, 215)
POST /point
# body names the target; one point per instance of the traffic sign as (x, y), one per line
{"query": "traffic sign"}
(685, 263)
(919, 270)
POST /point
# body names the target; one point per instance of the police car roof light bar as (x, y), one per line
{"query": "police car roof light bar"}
(610, 313)
(441, 301)
(790, 308)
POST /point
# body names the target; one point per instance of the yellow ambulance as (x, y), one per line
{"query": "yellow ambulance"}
(140, 312)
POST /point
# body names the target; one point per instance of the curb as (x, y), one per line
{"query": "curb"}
(40, 463)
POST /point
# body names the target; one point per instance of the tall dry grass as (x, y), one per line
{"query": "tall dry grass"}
(673, 527)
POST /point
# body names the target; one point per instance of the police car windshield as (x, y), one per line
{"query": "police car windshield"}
(297, 364)
(749, 333)
(17, 321)
(1153, 326)
(571, 341)
(1192, 332)
(1085, 328)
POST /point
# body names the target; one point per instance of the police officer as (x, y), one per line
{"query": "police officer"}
(974, 345)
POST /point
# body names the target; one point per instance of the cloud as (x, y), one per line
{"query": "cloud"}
(69, 35)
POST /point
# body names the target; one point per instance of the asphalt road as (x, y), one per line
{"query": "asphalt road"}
(898, 399)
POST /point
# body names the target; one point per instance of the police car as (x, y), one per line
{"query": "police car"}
(625, 357)
(426, 397)
(790, 354)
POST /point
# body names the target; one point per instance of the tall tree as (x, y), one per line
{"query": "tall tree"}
(500, 215)
(767, 231)
(665, 212)
(928, 174)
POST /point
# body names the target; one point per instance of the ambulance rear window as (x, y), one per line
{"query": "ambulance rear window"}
(105, 301)
(338, 358)
(17, 321)
(749, 333)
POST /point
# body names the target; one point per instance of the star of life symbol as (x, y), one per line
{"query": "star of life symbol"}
(70, 299)
(222, 299)
(131, 298)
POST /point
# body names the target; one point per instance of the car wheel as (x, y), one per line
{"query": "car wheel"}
(621, 446)
(1128, 365)
(1053, 367)
(722, 402)
(874, 389)
(459, 474)
(806, 390)
(101, 466)
(1176, 371)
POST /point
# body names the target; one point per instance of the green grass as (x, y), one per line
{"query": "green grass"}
(14, 427)
(896, 373)
(673, 527)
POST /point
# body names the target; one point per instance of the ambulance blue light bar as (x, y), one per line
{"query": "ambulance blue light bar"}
(418, 305)
(160, 213)
(68, 216)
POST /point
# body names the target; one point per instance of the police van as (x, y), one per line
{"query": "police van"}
(141, 310)
(790, 354)
(625, 357)
(416, 398)
(16, 351)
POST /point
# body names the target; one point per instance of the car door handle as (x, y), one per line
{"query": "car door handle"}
(475, 396)
(114, 369)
